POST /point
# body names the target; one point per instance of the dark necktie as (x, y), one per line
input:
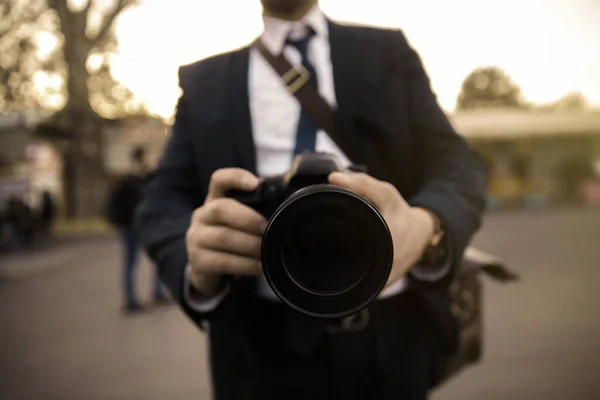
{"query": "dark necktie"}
(306, 134)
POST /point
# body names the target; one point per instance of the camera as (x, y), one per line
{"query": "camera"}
(327, 251)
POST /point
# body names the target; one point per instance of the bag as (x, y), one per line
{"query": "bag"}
(122, 201)
(466, 305)
(466, 289)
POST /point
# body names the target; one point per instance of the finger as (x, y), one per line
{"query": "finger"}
(226, 263)
(223, 180)
(231, 213)
(381, 194)
(224, 239)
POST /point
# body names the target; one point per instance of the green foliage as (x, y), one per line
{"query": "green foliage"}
(21, 58)
(489, 87)
(574, 101)
(46, 48)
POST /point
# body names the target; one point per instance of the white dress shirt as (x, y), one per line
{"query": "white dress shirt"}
(275, 116)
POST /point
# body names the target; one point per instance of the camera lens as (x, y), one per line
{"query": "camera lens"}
(327, 251)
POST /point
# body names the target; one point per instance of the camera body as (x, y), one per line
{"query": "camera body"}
(308, 169)
(326, 251)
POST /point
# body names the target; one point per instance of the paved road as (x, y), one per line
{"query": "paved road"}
(62, 336)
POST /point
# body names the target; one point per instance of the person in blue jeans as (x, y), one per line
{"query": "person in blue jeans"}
(121, 213)
(131, 253)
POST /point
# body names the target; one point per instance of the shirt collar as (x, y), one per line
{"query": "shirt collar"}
(277, 31)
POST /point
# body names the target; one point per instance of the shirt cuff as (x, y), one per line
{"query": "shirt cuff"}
(198, 302)
(429, 274)
(428, 270)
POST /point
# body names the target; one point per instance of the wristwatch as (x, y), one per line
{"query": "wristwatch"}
(435, 253)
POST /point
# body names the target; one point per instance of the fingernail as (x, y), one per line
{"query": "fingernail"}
(250, 182)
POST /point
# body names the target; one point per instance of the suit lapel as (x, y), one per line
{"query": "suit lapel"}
(347, 74)
(239, 123)
(238, 108)
(360, 143)
(342, 58)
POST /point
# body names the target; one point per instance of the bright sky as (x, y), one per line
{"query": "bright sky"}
(549, 47)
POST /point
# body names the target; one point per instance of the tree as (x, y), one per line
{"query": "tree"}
(20, 57)
(82, 39)
(489, 87)
(35, 77)
(79, 87)
(574, 101)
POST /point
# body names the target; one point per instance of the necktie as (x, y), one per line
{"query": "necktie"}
(306, 134)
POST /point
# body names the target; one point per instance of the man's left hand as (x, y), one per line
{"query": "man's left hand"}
(411, 227)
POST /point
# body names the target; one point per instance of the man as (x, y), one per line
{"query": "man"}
(46, 215)
(122, 204)
(235, 123)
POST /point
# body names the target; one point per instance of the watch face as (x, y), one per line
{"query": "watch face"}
(436, 253)
(440, 253)
(437, 238)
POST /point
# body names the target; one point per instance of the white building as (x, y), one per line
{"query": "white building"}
(543, 155)
(29, 166)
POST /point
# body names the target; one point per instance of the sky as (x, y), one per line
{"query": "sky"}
(548, 47)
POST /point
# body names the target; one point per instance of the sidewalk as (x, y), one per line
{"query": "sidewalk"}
(69, 228)
(71, 243)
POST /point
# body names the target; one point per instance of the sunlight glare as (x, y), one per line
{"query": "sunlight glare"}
(535, 42)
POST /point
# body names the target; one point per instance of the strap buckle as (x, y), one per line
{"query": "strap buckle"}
(352, 323)
(295, 78)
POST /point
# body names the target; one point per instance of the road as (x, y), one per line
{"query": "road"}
(63, 336)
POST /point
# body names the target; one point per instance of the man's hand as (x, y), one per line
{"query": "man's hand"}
(224, 236)
(412, 228)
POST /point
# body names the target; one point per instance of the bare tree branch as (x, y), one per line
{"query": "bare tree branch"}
(61, 8)
(109, 19)
(87, 7)
(82, 88)
(5, 13)
(9, 12)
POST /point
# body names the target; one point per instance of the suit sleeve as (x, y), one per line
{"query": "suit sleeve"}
(451, 176)
(169, 199)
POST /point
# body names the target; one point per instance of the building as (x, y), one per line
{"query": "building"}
(15, 136)
(32, 154)
(28, 166)
(123, 135)
(535, 158)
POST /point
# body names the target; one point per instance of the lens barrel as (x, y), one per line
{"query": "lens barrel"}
(327, 251)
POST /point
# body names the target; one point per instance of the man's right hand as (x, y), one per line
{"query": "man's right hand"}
(224, 236)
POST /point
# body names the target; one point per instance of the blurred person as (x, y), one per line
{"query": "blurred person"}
(121, 210)
(5, 231)
(236, 123)
(46, 215)
(19, 217)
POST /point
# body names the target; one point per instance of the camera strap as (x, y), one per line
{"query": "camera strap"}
(296, 80)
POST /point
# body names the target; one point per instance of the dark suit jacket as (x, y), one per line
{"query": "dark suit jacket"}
(390, 120)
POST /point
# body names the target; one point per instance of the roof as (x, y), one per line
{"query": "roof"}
(505, 123)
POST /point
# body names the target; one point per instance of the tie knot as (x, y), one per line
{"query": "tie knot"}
(302, 43)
